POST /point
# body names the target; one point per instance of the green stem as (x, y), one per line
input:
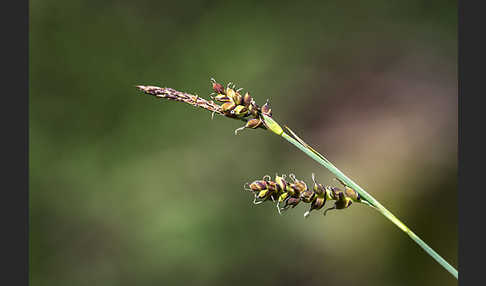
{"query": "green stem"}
(275, 127)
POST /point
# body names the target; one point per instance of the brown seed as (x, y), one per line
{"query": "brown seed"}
(352, 194)
(342, 202)
(258, 185)
(230, 93)
(318, 203)
(266, 109)
(319, 189)
(253, 123)
(238, 99)
(253, 108)
(222, 98)
(307, 196)
(274, 187)
(292, 202)
(218, 88)
(228, 106)
(247, 99)
(299, 186)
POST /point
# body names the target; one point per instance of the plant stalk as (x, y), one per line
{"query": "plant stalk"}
(309, 151)
(273, 126)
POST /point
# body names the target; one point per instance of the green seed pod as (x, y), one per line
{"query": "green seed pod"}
(281, 183)
(230, 92)
(282, 197)
(289, 189)
(263, 193)
(228, 106)
(240, 111)
(330, 193)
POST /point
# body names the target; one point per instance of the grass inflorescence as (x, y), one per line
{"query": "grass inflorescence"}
(229, 102)
(232, 103)
(288, 192)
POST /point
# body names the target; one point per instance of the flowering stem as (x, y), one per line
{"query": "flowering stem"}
(264, 115)
(309, 151)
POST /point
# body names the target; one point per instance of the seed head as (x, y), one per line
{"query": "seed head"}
(288, 194)
(233, 104)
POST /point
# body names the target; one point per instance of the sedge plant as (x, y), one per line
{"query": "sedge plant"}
(229, 102)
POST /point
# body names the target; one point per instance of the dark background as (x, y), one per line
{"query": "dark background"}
(126, 189)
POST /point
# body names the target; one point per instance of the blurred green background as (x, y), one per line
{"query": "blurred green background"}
(126, 189)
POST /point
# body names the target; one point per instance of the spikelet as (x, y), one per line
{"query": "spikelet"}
(227, 102)
(288, 193)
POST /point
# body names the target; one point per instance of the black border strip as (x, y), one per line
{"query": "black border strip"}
(471, 171)
(14, 212)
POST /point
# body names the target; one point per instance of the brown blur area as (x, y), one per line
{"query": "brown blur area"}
(126, 189)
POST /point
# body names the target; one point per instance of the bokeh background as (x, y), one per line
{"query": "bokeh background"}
(126, 189)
